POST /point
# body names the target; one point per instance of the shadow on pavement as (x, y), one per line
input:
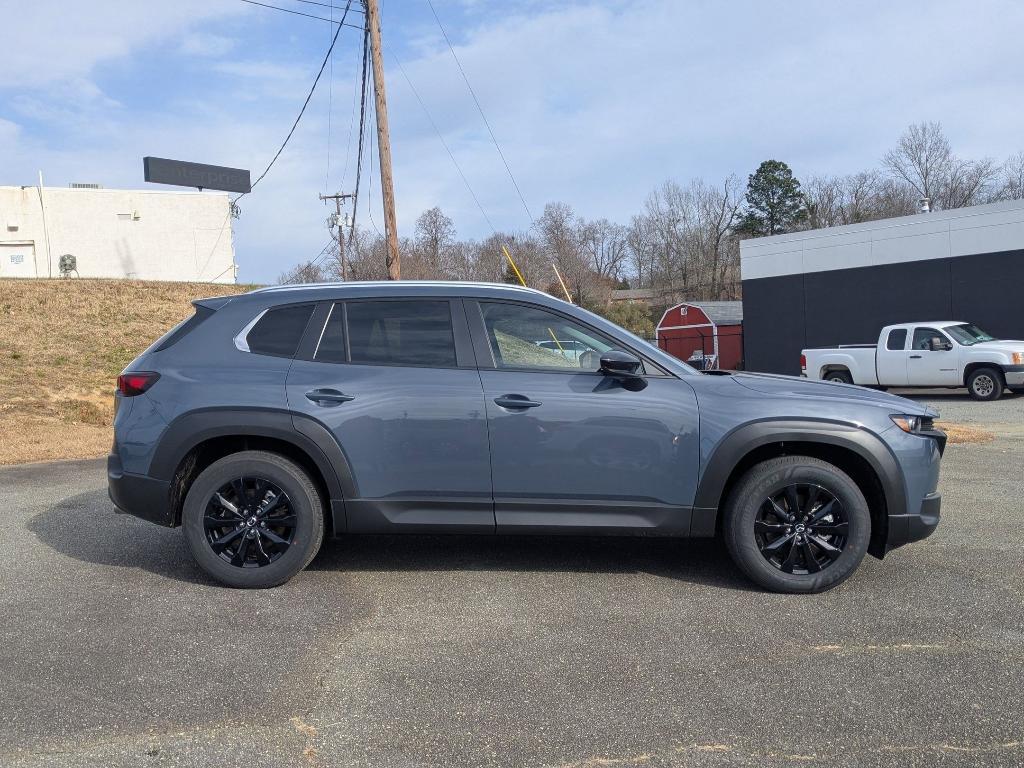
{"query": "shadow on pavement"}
(86, 528)
(698, 561)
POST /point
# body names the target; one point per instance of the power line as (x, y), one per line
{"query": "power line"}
(480, 109)
(327, 5)
(307, 15)
(305, 104)
(443, 142)
(351, 130)
(362, 128)
(330, 111)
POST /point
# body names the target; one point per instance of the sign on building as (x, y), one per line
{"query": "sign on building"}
(160, 170)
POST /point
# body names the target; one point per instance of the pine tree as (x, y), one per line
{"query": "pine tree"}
(774, 201)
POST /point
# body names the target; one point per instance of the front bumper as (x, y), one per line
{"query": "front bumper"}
(1014, 375)
(904, 529)
(138, 495)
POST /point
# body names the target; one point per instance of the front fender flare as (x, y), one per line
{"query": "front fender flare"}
(736, 445)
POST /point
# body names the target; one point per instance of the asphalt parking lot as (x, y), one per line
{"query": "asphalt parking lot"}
(459, 651)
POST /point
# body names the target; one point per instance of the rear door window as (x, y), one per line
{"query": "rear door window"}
(402, 332)
(279, 331)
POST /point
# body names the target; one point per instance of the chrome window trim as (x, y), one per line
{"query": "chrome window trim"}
(241, 340)
(323, 330)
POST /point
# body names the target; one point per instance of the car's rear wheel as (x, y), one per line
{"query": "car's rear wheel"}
(253, 519)
(985, 384)
(839, 377)
(797, 524)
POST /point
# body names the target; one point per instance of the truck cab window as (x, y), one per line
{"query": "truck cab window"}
(897, 339)
(923, 337)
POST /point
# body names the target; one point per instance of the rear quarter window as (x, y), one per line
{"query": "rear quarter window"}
(897, 339)
(279, 331)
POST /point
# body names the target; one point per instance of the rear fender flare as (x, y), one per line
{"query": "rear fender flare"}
(190, 429)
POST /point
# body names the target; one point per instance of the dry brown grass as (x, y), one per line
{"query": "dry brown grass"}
(963, 434)
(62, 344)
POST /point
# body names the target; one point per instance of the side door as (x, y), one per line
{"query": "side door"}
(395, 381)
(574, 449)
(891, 358)
(927, 367)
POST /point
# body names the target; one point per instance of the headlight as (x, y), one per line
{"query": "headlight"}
(915, 425)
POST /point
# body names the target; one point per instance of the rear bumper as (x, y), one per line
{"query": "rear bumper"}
(904, 529)
(1014, 375)
(138, 495)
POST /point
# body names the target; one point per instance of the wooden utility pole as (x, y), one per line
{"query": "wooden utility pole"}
(340, 224)
(387, 187)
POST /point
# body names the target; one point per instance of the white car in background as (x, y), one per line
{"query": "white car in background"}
(933, 354)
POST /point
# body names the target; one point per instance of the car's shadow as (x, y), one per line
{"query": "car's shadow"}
(85, 527)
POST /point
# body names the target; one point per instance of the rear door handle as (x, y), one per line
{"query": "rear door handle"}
(515, 401)
(328, 397)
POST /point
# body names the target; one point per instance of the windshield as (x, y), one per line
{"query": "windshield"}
(968, 334)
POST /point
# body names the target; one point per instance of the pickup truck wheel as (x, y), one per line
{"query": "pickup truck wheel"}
(985, 384)
(797, 524)
(839, 377)
(253, 519)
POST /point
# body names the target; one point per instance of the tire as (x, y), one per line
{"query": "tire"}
(985, 384)
(760, 544)
(286, 529)
(839, 377)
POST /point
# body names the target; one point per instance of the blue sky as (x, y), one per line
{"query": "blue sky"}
(595, 103)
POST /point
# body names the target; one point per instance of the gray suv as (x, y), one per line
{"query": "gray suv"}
(270, 419)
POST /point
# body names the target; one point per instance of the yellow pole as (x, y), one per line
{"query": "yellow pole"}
(513, 265)
(568, 296)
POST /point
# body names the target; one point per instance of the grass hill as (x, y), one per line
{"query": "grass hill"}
(62, 344)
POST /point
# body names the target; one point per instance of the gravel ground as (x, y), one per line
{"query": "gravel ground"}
(459, 651)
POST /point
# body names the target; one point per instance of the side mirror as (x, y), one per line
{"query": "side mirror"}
(939, 344)
(615, 362)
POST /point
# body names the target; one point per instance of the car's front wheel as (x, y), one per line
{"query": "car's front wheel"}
(253, 519)
(796, 524)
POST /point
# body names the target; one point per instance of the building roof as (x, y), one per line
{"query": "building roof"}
(940, 234)
(718, 312)
(633, 294)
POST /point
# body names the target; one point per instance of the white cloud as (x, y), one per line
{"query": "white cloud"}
(202, 44)
(594, 103)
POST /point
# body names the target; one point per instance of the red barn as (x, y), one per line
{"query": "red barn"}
(708, 335)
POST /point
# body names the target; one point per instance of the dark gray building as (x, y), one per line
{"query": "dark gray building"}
(842, 284)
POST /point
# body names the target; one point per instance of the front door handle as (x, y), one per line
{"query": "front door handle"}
(515, 401)
(915, 357)
(328, 397)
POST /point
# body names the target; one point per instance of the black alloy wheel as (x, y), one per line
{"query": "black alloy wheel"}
(249, 522)
(801, 529)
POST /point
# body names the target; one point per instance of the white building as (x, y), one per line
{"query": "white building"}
(116, 233)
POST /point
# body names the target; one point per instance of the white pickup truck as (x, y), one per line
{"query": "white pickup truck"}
(936, 354)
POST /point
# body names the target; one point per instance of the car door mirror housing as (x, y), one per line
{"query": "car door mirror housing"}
(615, 362)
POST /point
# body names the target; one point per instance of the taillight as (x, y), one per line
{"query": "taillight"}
(136, 382)
(803, 362)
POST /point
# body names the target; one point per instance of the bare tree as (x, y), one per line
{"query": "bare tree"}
(605, 245)
(1012, 182)
(434, 245)
(312, 271)
(923, 159)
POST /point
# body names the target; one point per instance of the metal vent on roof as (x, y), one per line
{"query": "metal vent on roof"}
(81, 185)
